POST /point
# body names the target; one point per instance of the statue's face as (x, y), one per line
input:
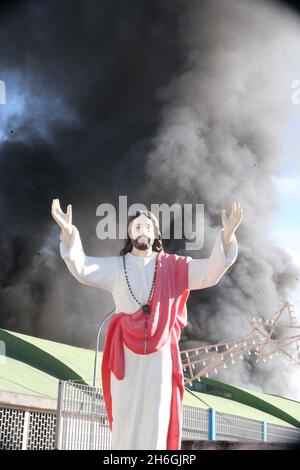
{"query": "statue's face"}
(141, 232)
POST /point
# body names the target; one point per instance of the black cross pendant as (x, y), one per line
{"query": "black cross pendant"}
(146, 308)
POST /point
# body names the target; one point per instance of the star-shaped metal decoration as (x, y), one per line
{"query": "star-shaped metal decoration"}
(267, 339)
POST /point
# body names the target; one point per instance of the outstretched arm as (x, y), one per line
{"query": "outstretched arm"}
(207, 272)
(92, 271)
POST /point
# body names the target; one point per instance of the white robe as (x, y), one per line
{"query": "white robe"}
(141, 401)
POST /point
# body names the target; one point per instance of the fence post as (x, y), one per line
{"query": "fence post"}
(25, 430)
(211, 424)
(59, 418)
(265, 431)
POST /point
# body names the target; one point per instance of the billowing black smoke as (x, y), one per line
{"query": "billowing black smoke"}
(162, 101)
(81, 84)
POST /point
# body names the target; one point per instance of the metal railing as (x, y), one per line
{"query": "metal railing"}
(82, 422)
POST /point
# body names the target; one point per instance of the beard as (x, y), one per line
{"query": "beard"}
(142, 243)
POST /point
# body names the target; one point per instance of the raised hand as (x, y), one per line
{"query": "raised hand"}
(64, 220)
(231, 223)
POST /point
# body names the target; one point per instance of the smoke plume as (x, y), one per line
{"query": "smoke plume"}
(160, 101)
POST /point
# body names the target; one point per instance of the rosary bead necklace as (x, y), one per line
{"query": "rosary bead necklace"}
(145, 307)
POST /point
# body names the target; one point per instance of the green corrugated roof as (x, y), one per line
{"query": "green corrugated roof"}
(80, 360)
(34, 366)
(51, 359)
(281, 408)
(225, 405)
(289, 406)
(15, 376)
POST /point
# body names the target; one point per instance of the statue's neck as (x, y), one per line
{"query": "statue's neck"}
(141, 253)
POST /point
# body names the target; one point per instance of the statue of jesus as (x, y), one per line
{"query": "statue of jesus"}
(142, 376)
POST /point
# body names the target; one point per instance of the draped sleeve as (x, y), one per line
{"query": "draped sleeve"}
(99, 272)
(207, 272)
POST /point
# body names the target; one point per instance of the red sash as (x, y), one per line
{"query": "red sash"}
(168, 315)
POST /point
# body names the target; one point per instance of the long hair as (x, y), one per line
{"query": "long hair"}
(157, 244)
